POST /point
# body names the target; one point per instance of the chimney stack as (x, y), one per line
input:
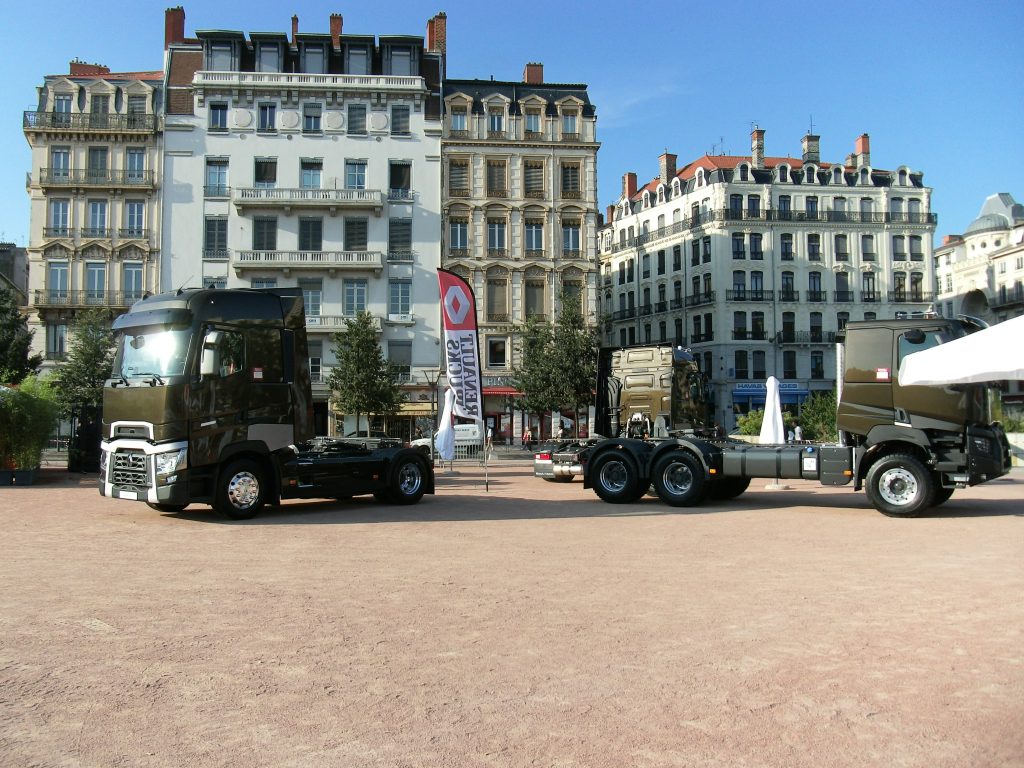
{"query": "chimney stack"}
(174, 26)
(295, 28)
(757, 148)
(81, 68)
(610, 213)
(812, 154)
(862, 148)
(628, 185)
(667, 166)
(437, 33)
(533, 74)
(336, 24)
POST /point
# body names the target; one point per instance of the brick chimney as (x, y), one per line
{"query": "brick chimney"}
(667, 167)
(862, 150)
(610, 213)
(628, 185)
(533, 73)
(80, 68)
(812, 154)
(757, 148)
(174, 26)
(437, 33)
(336, 25)
(295, 27)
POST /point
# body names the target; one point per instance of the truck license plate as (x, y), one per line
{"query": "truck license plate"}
(133, 495)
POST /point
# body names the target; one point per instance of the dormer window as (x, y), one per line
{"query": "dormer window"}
(495, 121)
(810, 177)
(744, 173)
(700, 177)
(533, 122)
(219, 58)
(269, 58)
(401, 62)
(313, 59)
(784, 173)
(864, 176)
(675, 188)
(569, 124)
(357, 60)
(458, 118)
(902, 178)
(837, 176)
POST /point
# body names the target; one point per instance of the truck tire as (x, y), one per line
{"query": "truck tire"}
(616, 479)
(679, 479)
(900, 485)
(406, 484)
(242, 490)
(941, 494)
(727, 488)
(166, 507)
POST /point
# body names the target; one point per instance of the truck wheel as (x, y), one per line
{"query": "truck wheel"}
(406, 482)
(679, 479)
(727, 488)
(616, 479)
(166, 507)
(941, 494)
(241, 491)
(899, 485)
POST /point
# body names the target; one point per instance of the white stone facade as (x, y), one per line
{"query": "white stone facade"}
(756, 262)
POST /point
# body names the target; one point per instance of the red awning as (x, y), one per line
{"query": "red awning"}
(502, 391)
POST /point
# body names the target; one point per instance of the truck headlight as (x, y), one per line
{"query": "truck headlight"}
(982, 445)
(170, 462)
(103, 463)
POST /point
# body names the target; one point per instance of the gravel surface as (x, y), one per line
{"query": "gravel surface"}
(525, 625)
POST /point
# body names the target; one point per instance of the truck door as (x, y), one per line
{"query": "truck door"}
(220, 394)
(867, 380)
(929, 407)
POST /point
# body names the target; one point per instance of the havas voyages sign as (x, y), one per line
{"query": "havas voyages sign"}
(462, 350)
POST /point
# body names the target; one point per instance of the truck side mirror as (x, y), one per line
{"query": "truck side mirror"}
(208, 361)
(914, 336)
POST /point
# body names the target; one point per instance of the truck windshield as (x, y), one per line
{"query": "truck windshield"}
(152, 350)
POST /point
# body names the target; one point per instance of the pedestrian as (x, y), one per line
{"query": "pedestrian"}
(527, 438)
(558, 432)
(789, 435)
(798, 434)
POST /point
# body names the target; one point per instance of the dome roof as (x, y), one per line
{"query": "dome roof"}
(1000, 211)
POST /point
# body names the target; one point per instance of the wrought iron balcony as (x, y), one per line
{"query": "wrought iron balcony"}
(56, 297)
(216, 254)
(742, 334)
(646, 309)
(700, 338)
(843, 296)
(86, 121)
(401, 256)
(290, 197)
(133, 233)
(330, 260)
(94, 177)
(742, 294)
(911, 296)
(700, 298)
(787, 295)
(459, 192)
(333, 323)
(814, 336)
(498, 317)
(58, 232)
(400, 194)
(816, 295)
(869, 296)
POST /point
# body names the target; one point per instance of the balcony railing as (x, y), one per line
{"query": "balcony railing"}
(58, 231)
(133, 233)
(96, 232)
(496, 192)
(911, 296)
(289, 197)
(661, 306)
(787, 295)
(337, 322)
(306, 81)
(742, 294)
(816, 295)
(869, 296)
(498, 317)
(624, 314)
(216, 254)
(94, 177)
(401, 256)
(397, 193)
(85, 121)
(741, 334)
(814, 336)
(700, 298)
(357, 260)
(55, 297)
(459, 192)
(699, 338)
(646, 309)
(843, 296)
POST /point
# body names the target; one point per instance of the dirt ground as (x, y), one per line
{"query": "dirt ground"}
(527, 625)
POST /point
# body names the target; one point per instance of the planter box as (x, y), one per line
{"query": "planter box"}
(24, 476)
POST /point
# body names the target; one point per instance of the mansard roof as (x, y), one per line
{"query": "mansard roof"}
(515, 92)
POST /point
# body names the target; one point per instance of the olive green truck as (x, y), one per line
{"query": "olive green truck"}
(908, 447)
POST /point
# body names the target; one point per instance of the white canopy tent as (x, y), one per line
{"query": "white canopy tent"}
(772, 430)
(992, 354)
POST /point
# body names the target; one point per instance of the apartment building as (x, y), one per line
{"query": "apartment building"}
(755, 262)
(94, 231)
(520, 214)
(981, 272)
(313, 160)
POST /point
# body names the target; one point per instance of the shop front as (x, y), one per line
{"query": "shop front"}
(750, 396)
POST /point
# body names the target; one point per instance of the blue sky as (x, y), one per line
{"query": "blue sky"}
(937, 85)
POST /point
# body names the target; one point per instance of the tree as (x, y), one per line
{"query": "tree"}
(362, 380)
(90, 359)
(15, 342)
(818, 417)
(750, 423)
(558, 362)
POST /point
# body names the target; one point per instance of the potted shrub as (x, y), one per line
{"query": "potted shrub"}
(28, 416)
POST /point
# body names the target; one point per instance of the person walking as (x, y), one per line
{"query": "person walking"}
(798, 434)
(527, 438)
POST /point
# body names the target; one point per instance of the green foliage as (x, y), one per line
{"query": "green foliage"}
(750, 423)
(818, 417)
(363, 381)
(90, 359)
(15, 342)
(27, 417)
(558, 362)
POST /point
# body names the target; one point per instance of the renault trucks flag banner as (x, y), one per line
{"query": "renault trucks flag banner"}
(462, 356)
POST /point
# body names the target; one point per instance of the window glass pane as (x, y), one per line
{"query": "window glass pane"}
(400, 120)
(357, 119)
(355, 234)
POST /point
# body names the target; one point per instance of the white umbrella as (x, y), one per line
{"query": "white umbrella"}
(771, 426)
(992, 354)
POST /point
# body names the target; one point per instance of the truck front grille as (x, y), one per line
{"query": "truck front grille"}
(130, 469)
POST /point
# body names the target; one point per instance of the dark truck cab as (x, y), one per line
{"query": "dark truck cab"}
(210, 402)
